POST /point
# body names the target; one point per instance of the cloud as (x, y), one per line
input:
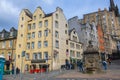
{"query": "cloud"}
(50, 2)
(8, 14)
(8, 8)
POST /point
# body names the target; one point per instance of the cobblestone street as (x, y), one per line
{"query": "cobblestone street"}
(113, 73)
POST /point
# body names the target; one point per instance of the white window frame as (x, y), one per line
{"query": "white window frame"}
(39, 44)
(39, 55)
(46, 23)
(39, 34)
(56, 34)
(29, 26)
(45, 33)
(40, 24)
(10, 43)
(56, 24)
(28, 45)
(45, 43)
(27, 56)
(45, 55)
(3, 44)
(57, 44)
(28, 36)
(34, 56)
(33, 34)
(33, 45)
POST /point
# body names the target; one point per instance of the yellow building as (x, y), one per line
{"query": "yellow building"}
(8, 46)
(43, 38)
(75, 49)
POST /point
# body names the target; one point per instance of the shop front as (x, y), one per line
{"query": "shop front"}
(39, 66)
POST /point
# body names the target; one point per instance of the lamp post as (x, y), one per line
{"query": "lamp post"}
(23, 55)
(47, 63)
(48, 58)
(14, 65)
(118, 49)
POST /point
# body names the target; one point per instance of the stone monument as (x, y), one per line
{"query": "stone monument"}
(92, 59)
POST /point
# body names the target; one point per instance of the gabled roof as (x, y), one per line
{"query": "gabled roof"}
(4, 31)
(13, 29)
(28, 13)
(49, 14)
(71, 31)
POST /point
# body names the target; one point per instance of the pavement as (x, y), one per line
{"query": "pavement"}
(112, 73)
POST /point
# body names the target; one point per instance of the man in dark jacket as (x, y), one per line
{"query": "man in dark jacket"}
(80, 65)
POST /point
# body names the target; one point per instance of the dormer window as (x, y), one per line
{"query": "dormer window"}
(11, 33)
(40, 16)
(2, 35)
(34, 17)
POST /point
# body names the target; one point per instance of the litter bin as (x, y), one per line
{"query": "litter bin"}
(2, 61)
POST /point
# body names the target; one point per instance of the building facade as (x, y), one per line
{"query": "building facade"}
(101, 42)
(8, 46)
(86, 32)
(109, 21)
(89, 32)
(75, 49)
(43, 38)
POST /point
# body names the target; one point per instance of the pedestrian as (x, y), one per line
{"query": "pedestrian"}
(17, 70)
(12, 69)
(104, 63)
(80, 64)
(109, 61)
(67, 64)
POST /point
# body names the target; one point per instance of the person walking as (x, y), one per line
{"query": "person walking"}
(17, 70)
(80, 64)
(109, 61)
(104, 63)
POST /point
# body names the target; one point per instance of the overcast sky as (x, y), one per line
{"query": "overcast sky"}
(10, 9)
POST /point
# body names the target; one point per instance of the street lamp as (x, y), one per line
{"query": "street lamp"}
(14, 65)
(48, 58)
(118, 49)
(23, 55)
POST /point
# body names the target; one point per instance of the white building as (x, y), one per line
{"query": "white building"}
(75, 49)
(89, 33)
(86, 32)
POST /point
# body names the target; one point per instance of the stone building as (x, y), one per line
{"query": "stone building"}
(86, 32)
(101, 46)
(8, 46)
(75, 48)
(43, 38)
(109, 21)
(89, 33)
